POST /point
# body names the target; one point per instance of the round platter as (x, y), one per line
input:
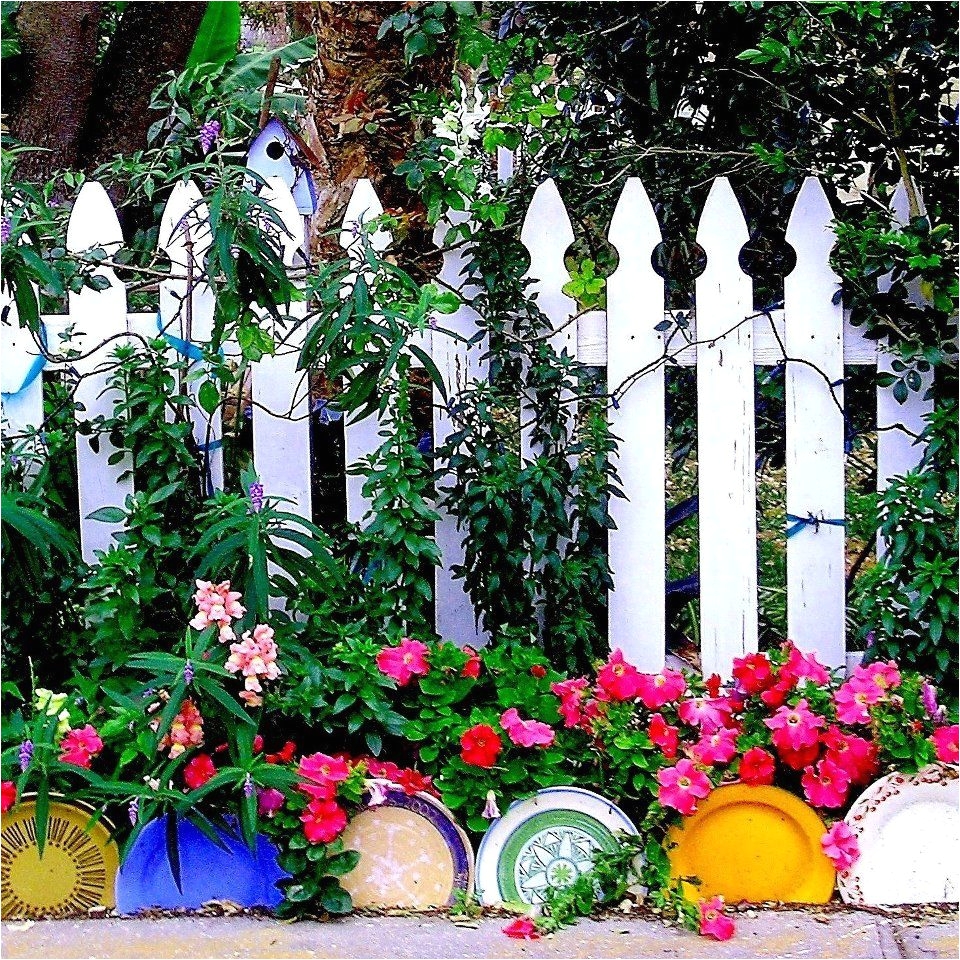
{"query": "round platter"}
(413, 854)
(76, 871)
(753, 843)
(907, 830)
(545, 841)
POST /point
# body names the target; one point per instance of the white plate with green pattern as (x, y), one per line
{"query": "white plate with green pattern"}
(545, 841)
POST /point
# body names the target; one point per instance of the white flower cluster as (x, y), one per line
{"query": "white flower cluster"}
(462, 125)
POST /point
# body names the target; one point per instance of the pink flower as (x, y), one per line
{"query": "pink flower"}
(884, 676)
(269, 801)
(794, 727)
(523, 928)
(803, 666)
(753, 673)
(681, 786)
(776, 695)
(664, 736)
(706, 713)
(656, 689)
(186, 730)
(405, 661)
(618, 679)
(853, 698)
(255, 657)
(945, 742)
(199, 770)
(571, 693)
(717, 747)
(757, 767)
(841, 847)
(855, 755)
(79, 747)
(217, 605)
(323, 773)
(714, 922)
(526, 733)
(472, 667)
(8, 797)
(828, 786)
(323, 821)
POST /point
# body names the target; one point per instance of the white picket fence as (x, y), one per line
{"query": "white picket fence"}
(810, 328)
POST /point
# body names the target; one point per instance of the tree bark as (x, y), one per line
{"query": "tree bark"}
(59, 48)
(151, 39)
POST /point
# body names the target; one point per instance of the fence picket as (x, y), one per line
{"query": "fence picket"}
(725, 437)
(96, 316)
(21, 380)
(281, 395)
(460, 364)
(636, 615)
(185, 238)
(362, 437)
(816, 599)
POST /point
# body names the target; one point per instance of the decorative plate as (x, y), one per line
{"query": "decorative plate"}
(77, 868)
(545, 841)
(207, 871)
(907, 828)
(753, 843)
(412, 854)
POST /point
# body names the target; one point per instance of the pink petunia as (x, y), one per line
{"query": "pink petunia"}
(825, 786)
(853, 698)
(682, 786)
(803, 667)
(707, 713)
(571, 693)
(945, 742)
(794, 727)
(841, 846)
(720, 746)
(753, 673)
(322, 773)
(404, 662)
(523, 928)
(526, 733)
(618, 679)
(79, 747)
(657, 689)
(884, 676)
(757, 767)
(323, 821)
(714, 922)
(857, 756)
(666, 737)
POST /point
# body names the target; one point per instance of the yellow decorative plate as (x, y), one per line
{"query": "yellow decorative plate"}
(753, 843)
(77, 870)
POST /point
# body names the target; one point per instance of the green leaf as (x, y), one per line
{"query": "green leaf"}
(209, 397)
(336, 900)
(172, 837)
(343, 863)
(218, 35)
(42, 813)
(108, 515)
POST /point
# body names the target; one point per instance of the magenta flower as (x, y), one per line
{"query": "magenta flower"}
(853, 699)
(707, 713)
(841, 846)
(79, 747)
(945, 742)
(803, 667)
(656, 689)
(269, 802)
(526, 733)
(523, 928)
(571, 694)
(827, 786)
(794, 727)
(717, 747)
(714, 922)
(682, 786)
(404, 662)
(618, 679)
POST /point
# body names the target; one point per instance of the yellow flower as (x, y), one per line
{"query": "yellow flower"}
(52, 705)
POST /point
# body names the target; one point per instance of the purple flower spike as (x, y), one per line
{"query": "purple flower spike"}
(188, 673)
(6, 228)
(248, 786)
(209, 133)
(133, 811)
(26, 754)
(256, 496)
(928, 695)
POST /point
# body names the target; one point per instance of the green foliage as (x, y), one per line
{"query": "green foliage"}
(218, 35)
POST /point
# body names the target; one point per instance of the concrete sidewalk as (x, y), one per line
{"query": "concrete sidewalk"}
(843, 933)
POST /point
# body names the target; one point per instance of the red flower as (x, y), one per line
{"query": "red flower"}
(523, 928)
(776, 695)
(681, 786)
(656, 689)
(827, 786)
(714, 922)
(664, 736)
(9, 795)
(284, 754)
(480, 746)
(857, 756)
(618, 679)
(79, 747)
(323, 821)
(472, 667)
(199, 770)
(947, 743)
(798, 759)
(414, 782)
(753, 673)
(538, 671)
(757, 766)
(405, 661)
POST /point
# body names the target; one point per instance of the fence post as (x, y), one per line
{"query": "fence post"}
(461, 365)
(637, 550)
(813, 322)
(725, 437)
(96, 316)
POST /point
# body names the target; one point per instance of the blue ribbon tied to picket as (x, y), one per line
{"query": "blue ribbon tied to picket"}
(33, 371)
(799, 523)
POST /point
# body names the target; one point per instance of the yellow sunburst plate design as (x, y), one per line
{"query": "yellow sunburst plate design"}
(77, 869)
(753, 843)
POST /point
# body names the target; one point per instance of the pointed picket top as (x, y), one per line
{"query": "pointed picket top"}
(722, 231)
(93, 221)
(634, 228)
(456, 258)
(546, 234)
(809, 230)
(185, 210)
(363, 207)
(277, 194)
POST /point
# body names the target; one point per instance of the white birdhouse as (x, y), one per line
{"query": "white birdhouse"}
(279, 152)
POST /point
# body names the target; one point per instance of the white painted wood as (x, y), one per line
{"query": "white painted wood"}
(185, 237)
(97, 315)
(898, 451)
(461, 366)
(725, 438)
(637, 554)
(816, 601)
(360, 438)
(546, 234)
(22, 400)
(281, 422)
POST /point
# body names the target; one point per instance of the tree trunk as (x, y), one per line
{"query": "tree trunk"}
(59, 44)
(151, 39)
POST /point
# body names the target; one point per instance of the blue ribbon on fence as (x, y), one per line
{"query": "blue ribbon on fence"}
(39, 362)
(798, 523)
(184, 347)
